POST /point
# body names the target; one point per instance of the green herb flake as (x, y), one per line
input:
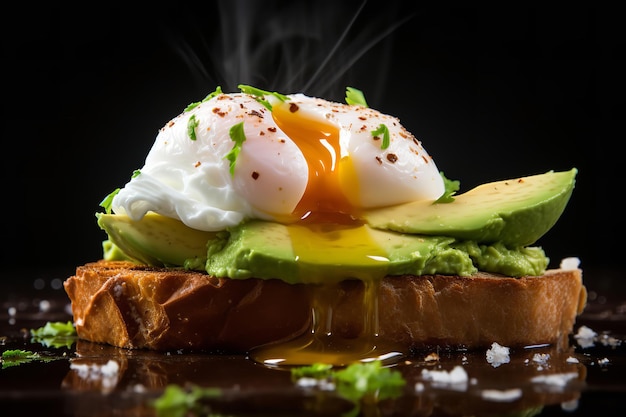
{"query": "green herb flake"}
(192, 123)
(55, 334)
(179, 402)
(108, 200)
(316, 370)
(369, 379)
(239, 137)
(17, 357)
(451, 187)
(382, 130)
(192, 106)
(260, 95)
(355, 97)
(360, 383)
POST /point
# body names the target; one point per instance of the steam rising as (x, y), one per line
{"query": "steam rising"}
(316, 47)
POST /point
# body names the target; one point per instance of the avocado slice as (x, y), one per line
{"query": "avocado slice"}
(516, 212)
(156, 240)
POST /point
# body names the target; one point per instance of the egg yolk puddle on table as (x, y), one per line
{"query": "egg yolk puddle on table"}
(328, 232)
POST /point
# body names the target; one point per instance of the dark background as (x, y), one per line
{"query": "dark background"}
(493, 94)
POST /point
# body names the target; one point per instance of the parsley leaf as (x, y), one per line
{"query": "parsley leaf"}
(316, 370)
(368, 380)
(192, 123)
(238, 136)
(360, 383)
(451, 187)
(55, 334)
(382, 130)
(355, 97)
(260, 95)
(191, 106)
(17, 357)
(178, 402)
(108, 200)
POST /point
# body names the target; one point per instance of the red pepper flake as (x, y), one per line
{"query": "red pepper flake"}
(293, 107)
(363, 128)
(362, 118)
(219, 112)
(171, 123)
(272, 129)
(283, 141)
(521, 180)
(379, 160)
(255, 113)
(425, 159)
(197, 164)
(415, 141)
(261, 133)
(392, 157)
(255, 175)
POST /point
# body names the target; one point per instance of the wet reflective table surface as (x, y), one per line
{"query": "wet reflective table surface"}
(80, 378)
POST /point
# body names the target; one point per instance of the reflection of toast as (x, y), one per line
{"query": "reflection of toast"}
(132, 306)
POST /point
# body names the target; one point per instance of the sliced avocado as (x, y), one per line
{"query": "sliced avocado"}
(156, 240)
(516, 212)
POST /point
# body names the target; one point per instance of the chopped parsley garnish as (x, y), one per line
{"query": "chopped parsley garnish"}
(260, 95)
(17, 357)
(191, 106)
(382, 130)
(55, 334)
(178, 402)
(239, 137)
(192, 123)
(355, 97)
(108, 200)
(316, 370)
(370, 379)
(358, 383)
(451, 187)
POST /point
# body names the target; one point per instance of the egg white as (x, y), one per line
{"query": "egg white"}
(190, 180)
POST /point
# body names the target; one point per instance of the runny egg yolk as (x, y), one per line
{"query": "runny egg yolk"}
(329, 232)
(323, 199)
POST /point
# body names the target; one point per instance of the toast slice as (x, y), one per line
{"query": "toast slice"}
(139, 307)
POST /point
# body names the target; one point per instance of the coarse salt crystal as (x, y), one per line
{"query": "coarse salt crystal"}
(569, 264)
(585, 337)
(497, 355)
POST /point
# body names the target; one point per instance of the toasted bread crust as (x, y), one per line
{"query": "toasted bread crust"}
(130, 306)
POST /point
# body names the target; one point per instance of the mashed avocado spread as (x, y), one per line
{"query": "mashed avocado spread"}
(489, 228)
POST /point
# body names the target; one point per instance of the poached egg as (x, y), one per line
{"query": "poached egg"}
(295, 158)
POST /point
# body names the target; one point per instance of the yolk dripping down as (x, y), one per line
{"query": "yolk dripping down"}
(329, 232)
